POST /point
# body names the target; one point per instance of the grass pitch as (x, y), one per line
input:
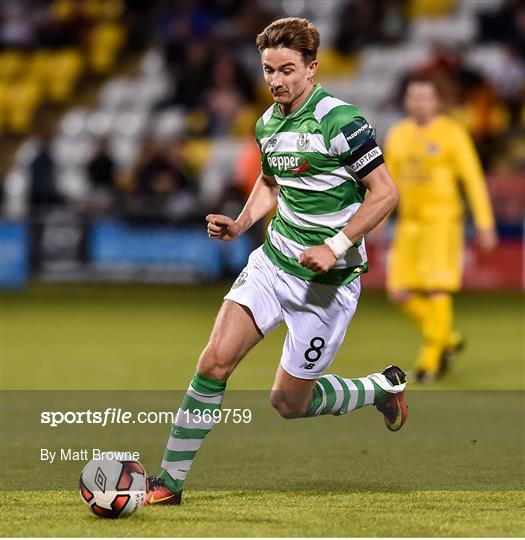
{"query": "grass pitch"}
(278, 514)
(445, 474)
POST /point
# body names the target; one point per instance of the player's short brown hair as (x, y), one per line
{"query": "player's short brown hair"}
(293, 33)
(423, 78)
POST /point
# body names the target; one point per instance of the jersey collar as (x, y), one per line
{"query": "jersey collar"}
(279, 112)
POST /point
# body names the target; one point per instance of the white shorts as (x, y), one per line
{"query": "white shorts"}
(316, 315)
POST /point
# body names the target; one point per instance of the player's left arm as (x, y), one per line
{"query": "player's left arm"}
(471, 175)
(381, 199)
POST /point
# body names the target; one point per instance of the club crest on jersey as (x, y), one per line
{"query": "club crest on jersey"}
(432, 149)
(303, 141)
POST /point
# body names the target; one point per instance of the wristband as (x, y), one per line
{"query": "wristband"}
(339, 244)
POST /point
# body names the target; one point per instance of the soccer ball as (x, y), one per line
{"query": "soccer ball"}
(112, 488)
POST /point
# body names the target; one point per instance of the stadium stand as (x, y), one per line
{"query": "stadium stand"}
(196, 91)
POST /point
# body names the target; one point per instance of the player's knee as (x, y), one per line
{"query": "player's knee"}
(398, 296)
(215, 365)
(286, 408)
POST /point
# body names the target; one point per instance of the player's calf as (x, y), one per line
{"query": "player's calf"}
(290, 405)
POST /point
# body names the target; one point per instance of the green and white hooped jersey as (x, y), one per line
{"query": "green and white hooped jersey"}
(317, 155)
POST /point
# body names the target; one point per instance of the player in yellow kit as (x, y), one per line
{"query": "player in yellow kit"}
(433, 161)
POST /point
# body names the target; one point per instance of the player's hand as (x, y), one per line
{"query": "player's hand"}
(487, 239)
(320, 259)
(222, 227)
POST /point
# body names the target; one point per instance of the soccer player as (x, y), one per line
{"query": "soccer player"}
(433, 161)
(319, 157)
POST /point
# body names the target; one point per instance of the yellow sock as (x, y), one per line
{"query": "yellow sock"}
(437, 332)
(416, 308)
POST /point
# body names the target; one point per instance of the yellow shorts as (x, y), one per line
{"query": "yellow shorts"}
(426, 256)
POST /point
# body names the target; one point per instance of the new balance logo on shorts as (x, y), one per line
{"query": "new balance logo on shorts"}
(241, 280)
(314, 352)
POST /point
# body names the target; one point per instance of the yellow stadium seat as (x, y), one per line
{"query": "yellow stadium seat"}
(334, 64)
(62, 78)
(431, 8)
(197, 153)
(12, 64)
(106, 40)
(93, 9)
(3, 106)
(39, 65)
(244, 122)
(62, 9)
(22, 99)
(112, 10)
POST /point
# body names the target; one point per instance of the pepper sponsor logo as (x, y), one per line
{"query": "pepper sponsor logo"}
(293, 164)
(284, 163)
(302, 167)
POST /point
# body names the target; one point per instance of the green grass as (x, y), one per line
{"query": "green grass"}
(248, 513)
(52, 333)
(456, 469)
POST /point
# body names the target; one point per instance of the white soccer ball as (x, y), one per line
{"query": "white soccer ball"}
(112, 488)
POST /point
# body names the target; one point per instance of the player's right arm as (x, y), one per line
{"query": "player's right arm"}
(471, 174)
(261, 201)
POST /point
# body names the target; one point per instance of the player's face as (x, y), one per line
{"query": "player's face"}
(287, 77)
(422, 101)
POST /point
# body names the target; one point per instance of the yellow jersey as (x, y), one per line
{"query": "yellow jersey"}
(431, 166)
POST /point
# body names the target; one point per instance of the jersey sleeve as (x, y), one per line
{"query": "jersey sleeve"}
(471, 175)
(390, 153)
(265, 166)
(354, 143)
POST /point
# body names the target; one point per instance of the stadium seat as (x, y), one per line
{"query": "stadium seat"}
(74, 122)
(197, 153)
(333, 64)
(116, 94)
(124, 150)
(22, 98)
(63, 76)
(12, 64)
(106, 40)
(169, 123)
(72, 181)
(73, 151)
(431, 8)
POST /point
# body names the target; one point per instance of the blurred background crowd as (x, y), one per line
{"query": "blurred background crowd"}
(139, 115)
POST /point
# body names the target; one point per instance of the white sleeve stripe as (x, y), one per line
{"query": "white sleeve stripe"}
(325, 106)
(339, 145)
(267, 115)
